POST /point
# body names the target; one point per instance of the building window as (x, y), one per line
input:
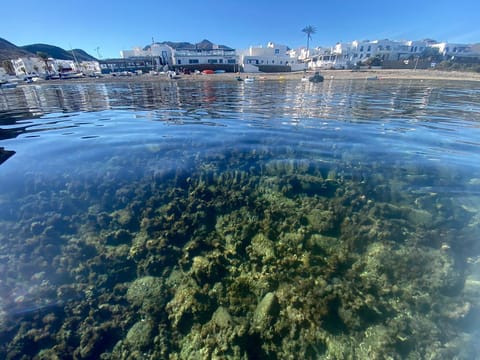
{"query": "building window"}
(193, 61)
(369, 48)
(361, 48)
(212, 61)
(220, 61)
(231, 61)
(179, 62)
(277, 51)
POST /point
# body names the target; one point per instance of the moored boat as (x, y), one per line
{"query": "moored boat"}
(8, 85)
(316, 78)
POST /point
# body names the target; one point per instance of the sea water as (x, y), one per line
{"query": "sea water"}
(275, 219)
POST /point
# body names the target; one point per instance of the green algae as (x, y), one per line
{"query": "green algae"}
(281, 260)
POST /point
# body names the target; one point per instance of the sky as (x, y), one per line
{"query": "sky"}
(103, 28)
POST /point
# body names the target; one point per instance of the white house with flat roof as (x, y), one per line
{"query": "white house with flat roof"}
(214, 57)
(161, 54)
(344, 55)
(272, 58)
(454, 49)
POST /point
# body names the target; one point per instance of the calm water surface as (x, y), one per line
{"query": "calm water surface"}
(241, 221)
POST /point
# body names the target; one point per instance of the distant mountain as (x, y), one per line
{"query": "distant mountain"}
(202, 45)
(9, 51)
(59, 53)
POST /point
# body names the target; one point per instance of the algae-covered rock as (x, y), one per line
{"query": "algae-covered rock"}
(266, 312)
(189, 305)
(148, 293)
(262, 247)
(140, 335)
(118, 237)
(222, 318)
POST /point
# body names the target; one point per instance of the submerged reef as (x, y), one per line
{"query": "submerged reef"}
(244, 256)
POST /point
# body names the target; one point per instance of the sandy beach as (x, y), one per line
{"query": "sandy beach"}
(375, 74)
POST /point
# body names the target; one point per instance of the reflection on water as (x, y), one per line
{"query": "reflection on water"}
(231, 220)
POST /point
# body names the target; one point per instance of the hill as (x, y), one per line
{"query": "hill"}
(59, 53)
(203, 45)
(10, 51)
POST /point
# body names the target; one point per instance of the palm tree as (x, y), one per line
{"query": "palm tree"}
(309, 30)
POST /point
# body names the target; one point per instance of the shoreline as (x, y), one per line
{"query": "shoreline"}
(370, 74)
(329, 75)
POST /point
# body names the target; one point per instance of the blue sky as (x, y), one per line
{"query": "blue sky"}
(120, 25)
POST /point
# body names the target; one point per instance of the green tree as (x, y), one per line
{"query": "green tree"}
(309, 30)
(374, 61)
(44, 56)
(8, 66)
(431, 54)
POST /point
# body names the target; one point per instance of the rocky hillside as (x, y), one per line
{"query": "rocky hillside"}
(59, 53)
(202, 45)
(10, 51)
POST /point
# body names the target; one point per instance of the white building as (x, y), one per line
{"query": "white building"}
(35, 66)
(272, 58)
(161, 54)
(345, 55)
(32, 66)
(452, 49)
(90, 67)
(199, 58)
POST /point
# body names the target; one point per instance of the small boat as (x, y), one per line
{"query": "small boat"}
(71, 75)
(5, 154)
(219, 71)
(8, 85)
(239, 78)
(316, 78)
(208, 72)
(249, 80)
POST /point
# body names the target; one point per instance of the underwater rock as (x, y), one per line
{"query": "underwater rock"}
(322, 243)
(200, 268)
(222, 318)
(118, 237)
(149, 294)
(322, 221)
(262, 248)
(140, 336)
(189, 305)
(36, 228)
(266, 312)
